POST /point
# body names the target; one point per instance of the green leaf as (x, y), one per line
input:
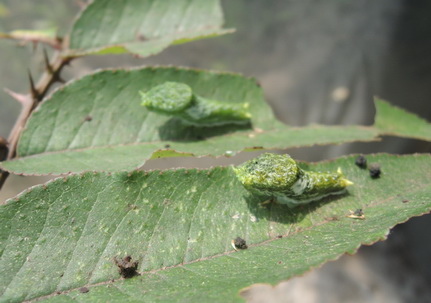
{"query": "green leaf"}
(392, 120)
(179, 225)
(97, 123)
(131, 156)
(47, 36)
(143, 27)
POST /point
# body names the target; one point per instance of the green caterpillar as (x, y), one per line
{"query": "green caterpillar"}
(279, 177)
(177, 99)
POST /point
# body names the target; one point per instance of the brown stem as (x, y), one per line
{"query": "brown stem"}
(31, 100)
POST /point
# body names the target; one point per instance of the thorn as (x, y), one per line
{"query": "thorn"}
(23, 99)
(34, 92)
(60, 79)
(47, 64)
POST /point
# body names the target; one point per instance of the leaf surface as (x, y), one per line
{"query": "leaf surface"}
(48, 36)
(143, 27)
(179, 225)
(392, 120)
(97, 123)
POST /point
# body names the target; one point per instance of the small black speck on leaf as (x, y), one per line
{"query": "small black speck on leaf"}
(279, 236)
(405, 201)
(375, 170)
(240, 243)
(361, 161)
(88, 118)
(84, 290)
(167, 145)
(126, 267)
(358, 212)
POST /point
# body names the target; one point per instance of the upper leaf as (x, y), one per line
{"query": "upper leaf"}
(143, 27)
(179, 225)
(105, 109)
(97, 123)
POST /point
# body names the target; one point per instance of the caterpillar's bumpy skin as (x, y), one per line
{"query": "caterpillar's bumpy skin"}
(279, 177)
(177, 99)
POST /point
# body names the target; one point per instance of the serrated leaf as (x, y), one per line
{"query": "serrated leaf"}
(97, 123)
(179, 225)
(131, 156)
(143, 27)
(392, 120)
(45, 36)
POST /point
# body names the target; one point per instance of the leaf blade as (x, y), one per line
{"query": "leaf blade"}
(392, 120)
(180, 223)
(143, 27)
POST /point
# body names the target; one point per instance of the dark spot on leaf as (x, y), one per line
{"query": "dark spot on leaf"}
(84, 290)
(132, 206)
(279, 262)
(358, 212)
(167, 145)
(88, 118)
(141, 37)
(279, 236)
(375, 170)
(405, 201)
(240, 243)
(361, 161)
(126, 267)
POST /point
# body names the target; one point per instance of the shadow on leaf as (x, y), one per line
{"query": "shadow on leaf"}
(282, 213)
(176, 130)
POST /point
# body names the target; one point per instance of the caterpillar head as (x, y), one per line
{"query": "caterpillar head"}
(167, 98)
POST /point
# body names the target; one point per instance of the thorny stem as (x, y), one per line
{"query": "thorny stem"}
(31, 100)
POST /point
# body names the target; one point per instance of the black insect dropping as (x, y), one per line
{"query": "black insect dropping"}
(88, 118)
(375, 170)
(361, 161)
(126, 267)
(240, 243)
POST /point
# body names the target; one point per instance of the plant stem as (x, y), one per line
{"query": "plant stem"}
(31, 100)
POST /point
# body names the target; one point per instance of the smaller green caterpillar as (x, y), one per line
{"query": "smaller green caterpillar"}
(177, 99)
(279, 177)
